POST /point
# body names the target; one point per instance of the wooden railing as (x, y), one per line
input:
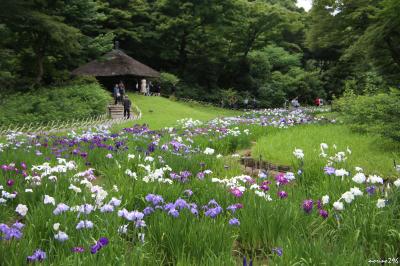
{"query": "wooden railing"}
(68, 125)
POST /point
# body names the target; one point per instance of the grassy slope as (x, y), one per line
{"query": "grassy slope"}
(372, 153)
(160, 112)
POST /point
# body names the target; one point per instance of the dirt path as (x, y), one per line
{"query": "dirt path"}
(252, 166)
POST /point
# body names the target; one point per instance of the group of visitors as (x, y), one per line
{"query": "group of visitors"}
(119, 92)
(295, 102)
(121, 97)
(148, 89)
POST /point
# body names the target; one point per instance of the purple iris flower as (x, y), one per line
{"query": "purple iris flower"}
(148, 210)
(12, 233)
(38, 255)
(169, 206)
(264, 186)
(95, 248)
(282, 194)
(174, 176)
(371, 190)
(107, 208)
(234, 222)
(213, 202)
(151, 147)
(278, 251)
(188, 192)
(201, 175)
(18, 225)
(173, 212)
(140, 224)
(245, 262)
(103, 241)
(78, 249)
(329, 170)
(307, 205)
(154, 199)
(323, 213)
(194, 211)
(10, 182)
(236, 192)
(213, 212)
(185, 175)
(164, 147)
(281, 179)
(180, 204)
(233, 208)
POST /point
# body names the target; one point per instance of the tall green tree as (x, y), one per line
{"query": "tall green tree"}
(48, 34)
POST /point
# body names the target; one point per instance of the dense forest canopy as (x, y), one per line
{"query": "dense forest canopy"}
(268, 49)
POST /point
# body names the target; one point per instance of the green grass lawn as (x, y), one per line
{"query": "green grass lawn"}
(159, 112)
(372, 153)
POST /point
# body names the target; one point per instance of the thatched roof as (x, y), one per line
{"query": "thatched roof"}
(116, 63)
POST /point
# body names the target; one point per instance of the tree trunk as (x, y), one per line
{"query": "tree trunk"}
(252, 37)
(40, 70)
(394, 51)
(182, 53)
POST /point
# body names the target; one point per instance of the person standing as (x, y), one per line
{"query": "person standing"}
(317, 102)
(116, 93)
(148, 89)
(122, 90)
(158, 89)
(127, 107)
(143, 87)
(295, 103)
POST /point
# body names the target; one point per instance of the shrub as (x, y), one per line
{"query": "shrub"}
(378, 113)
(168, 82)
(72, 101)
(229, 97)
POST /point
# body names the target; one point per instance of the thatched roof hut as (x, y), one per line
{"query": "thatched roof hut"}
(116, 63)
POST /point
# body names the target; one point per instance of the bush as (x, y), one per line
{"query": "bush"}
(378, 113)
(73, 101)
(168, 83)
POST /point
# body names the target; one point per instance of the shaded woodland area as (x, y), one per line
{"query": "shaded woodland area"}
(266, 49)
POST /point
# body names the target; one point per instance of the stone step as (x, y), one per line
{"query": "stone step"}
(116, 111)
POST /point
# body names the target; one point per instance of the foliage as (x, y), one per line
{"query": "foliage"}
(75, 101)
(270, 49)
(229, 96)
(48, 36)
(168, 82)
(378, 113)
(353, 39)
(279, 77)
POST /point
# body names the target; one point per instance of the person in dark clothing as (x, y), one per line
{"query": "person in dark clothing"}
(127, 107)
(116, 93)
(122, 90)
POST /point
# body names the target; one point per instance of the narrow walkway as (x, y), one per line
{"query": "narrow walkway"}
(252, 166)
